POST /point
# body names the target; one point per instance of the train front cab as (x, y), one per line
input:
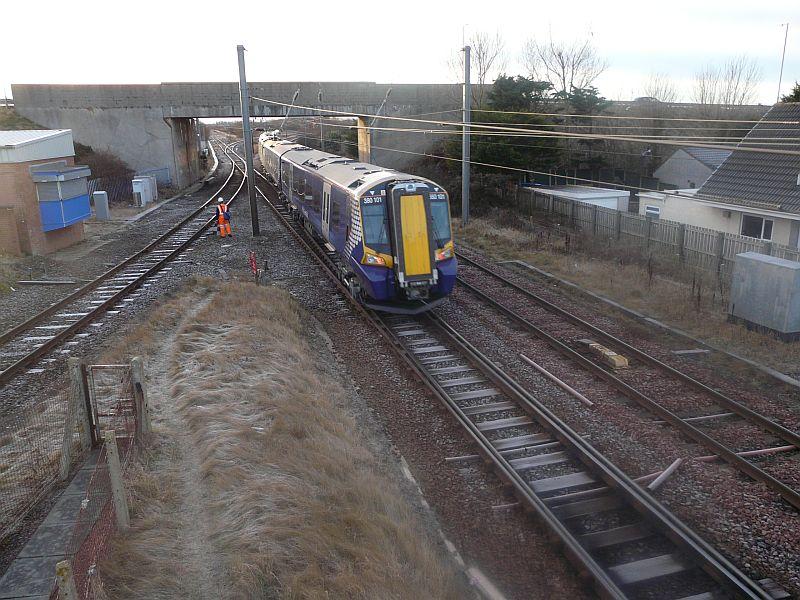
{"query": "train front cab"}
(408, 261)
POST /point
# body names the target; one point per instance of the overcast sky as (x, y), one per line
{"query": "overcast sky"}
(386, 41)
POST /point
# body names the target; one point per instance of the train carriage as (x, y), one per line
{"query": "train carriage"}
(391, 230)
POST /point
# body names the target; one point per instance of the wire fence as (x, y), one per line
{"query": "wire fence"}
(40, 442)
(119, 189)
(112, 393)
(31, 443)
(707, 249)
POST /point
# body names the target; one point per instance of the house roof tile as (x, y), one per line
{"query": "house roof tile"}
(762, 180)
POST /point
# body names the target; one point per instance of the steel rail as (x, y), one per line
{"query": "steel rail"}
(785, 434)
(12, 370)
(728, 455)
(713, 562)
(16, 330)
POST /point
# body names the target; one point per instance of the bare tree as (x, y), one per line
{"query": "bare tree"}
(564, 65)
(734, 83)
(660, 87)
(487, 60)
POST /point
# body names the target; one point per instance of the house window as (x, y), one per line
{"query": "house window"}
(756, 227)
(652, 212)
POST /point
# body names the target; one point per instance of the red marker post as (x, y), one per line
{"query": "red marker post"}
(254, 266)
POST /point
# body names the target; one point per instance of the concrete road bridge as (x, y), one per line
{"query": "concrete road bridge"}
(156, 125)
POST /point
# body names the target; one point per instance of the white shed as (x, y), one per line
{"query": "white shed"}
(605, 197)
(35, 144)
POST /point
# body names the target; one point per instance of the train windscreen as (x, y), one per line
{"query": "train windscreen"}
(376, 230)
(440, 214)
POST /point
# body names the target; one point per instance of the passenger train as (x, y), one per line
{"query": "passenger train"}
(390, 230)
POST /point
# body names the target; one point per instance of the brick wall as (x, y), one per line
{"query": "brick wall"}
(17, 191)
(9, 234)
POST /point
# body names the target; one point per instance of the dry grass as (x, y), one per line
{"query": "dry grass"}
(10, 119)
(688, 299)
(289, 501)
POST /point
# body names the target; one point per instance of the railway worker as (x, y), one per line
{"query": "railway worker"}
(223, 218)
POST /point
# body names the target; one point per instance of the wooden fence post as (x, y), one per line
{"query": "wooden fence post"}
(618, 224)
(79, 387)
(66, 582)
(648, 227)
(594, 219)
(571, 214)
(117, 486)
(682, 242)
(719, 251)
(75, 415)
(143, 425)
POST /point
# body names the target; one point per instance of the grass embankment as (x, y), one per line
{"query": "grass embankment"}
(259, 483)
(7, 274)
(10, 120)
(688, 300)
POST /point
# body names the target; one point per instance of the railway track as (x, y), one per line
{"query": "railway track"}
(27, 343)
(656, 386)
(625, 542)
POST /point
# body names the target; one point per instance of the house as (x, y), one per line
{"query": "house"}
(44, 196)
(605, 197)
(754, 194)
(689, 167)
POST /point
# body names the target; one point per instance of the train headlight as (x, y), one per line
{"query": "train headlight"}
(375, 260)
(445, 253)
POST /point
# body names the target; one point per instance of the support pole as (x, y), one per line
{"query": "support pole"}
(66, 581)
(143, 425)
(321, 137)
(465, 141)
(783, 58)
(244, 98)
(364, 141)
(117, 486)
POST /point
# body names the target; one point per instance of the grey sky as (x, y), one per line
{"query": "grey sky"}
(384, 41)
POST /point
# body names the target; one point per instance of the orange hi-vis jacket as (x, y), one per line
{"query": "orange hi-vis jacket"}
(223, 220)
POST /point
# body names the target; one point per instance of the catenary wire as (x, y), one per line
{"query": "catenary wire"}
(751, 149)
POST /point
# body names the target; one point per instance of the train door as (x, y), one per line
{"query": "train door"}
(414, 248)
(326, 209)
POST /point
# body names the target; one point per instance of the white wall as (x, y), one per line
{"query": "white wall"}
(683, 171)
(701, 214)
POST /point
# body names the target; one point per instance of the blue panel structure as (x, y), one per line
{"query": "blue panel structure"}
(57, 214)
(63, 194)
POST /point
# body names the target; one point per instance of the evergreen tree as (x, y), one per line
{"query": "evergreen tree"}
(794, 95)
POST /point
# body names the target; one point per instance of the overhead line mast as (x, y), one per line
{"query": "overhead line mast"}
(244, 99)
(465, 141)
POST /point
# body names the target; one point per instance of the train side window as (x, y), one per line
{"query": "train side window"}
(336, 217)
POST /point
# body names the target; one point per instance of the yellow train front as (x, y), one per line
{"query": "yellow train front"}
(391, 231)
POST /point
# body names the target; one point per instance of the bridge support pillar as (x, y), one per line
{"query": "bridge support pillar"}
(364, 141)
(185, 150)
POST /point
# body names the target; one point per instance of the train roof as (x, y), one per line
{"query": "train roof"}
(346, 172)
